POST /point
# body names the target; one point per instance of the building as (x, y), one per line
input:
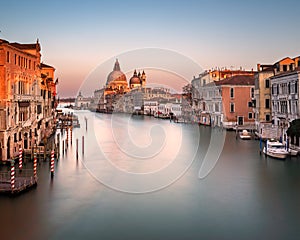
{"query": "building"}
(83, 102)
(228, 102)
(266, 101)
(116, 94)
(27, 98)
(204, 78)
(285, 98)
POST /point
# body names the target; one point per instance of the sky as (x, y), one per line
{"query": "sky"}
(79, 36)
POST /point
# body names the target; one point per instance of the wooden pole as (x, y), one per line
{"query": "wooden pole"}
(77, 149)
(82, 145)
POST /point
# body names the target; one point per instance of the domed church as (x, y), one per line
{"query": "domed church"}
(137, 80)
(116, 80)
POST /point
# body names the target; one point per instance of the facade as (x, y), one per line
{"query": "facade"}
(228, 103)
(267, 103)
(116, 94)
(27, 98)
(204, 78)
(82, 102)
(285, 100)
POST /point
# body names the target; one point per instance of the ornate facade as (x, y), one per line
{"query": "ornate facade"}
(27, 98)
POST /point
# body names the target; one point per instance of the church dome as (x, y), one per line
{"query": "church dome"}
(116, 76)
(135, 79)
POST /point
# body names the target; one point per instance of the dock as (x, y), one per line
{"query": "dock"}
(24, 181)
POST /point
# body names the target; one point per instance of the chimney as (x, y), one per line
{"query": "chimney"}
(258, 67)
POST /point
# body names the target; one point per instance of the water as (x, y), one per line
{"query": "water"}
(245, 196)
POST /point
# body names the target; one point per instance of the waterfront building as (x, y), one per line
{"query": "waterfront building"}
(82, 102)
(285, 96)
(228, 102)
(27, 98)
(204, 78)
(151, 107)
(266, 102)
(116, 95)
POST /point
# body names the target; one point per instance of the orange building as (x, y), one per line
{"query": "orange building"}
(237, 93)
(228, 102)
(27, 98)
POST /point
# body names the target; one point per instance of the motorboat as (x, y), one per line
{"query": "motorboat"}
(245, 135)
(293, 152)
(275, 149)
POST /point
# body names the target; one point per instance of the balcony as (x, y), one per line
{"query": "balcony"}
(23, 97)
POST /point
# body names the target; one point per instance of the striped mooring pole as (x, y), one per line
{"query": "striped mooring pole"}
(12, 175)
(52, 163)
(20, 158)
(71, 135)
(34, 165)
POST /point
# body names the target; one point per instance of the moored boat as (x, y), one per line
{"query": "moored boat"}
(275, 149)
(245, 135)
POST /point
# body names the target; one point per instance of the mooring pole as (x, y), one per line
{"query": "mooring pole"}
(82, 145)
(52, 164)
(77, 149)
(12, 175)
(20, 159)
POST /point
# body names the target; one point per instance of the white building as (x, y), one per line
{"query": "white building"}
(285, 99)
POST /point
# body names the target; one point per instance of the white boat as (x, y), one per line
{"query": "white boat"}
(293, 152)
(245, 135)
(275, 149)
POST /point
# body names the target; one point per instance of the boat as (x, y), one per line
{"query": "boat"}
(245, 135)
(275, 149)
(293, 152)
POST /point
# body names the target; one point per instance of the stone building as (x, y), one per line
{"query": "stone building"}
(228, 102)
(267, 103)
(204, 78)
(27, 98)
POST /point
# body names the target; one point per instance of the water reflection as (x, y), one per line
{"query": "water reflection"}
(244, 197)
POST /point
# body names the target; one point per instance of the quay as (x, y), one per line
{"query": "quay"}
(23, 181)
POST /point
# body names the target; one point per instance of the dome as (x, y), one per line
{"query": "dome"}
(135, 79)
(116, 76)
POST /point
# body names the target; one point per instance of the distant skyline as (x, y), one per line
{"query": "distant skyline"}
(78, 36)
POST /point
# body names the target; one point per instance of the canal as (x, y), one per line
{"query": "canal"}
(141, 178)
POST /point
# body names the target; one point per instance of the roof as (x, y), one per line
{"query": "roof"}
(43, 65)
(237, 80)
(23, 46)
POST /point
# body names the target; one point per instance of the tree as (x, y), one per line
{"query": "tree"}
(294, 129)
(187, 93)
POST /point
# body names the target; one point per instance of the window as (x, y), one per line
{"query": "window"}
(250, 115)
(249, 104)
(284, 68)
(267, 103)
(7, 57)
(267, 83)
(252, 92)
(231, 92)
(268, 117)
(231, 107)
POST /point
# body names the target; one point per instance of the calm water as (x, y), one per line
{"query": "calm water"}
(138, 179)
